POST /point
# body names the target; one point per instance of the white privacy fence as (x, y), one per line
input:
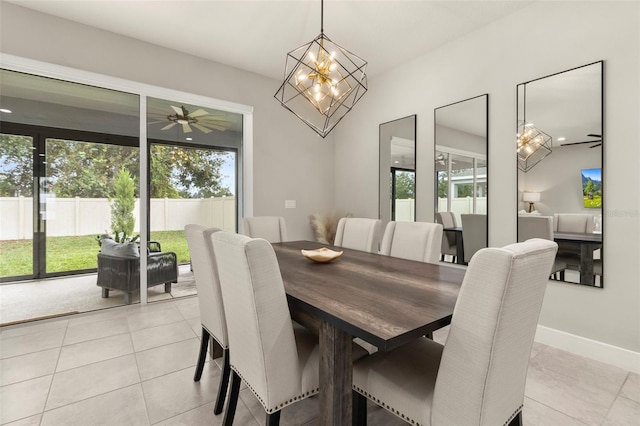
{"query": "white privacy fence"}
(405, 210)
(86, 216)
(463, 206)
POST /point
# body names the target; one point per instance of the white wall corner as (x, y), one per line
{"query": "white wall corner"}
(603, 352)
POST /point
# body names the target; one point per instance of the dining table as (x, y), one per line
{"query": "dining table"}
(383, 300)
(585, 243)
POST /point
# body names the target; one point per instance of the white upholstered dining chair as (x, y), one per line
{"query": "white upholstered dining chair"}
(277, 361)
(573, 222)
(212, 315)
(449, 244)
(271, 228)
(359, 234)
(540, 227)
(478, 376)
(276, 358)
(474, 233)
(412, 240)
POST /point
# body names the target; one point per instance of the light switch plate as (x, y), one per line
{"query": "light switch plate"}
(289, 204)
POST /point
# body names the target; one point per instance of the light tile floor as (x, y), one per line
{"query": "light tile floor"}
(134, 365)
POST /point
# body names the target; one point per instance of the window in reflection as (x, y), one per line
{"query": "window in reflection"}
(462, 183)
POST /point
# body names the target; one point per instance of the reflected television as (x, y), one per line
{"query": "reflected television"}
(592, 188)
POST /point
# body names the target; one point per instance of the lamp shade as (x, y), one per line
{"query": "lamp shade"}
(531, 197)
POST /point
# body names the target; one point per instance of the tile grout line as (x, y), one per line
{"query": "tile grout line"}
(53, 376)
(135, 356)
(618, 395)
(554, 409)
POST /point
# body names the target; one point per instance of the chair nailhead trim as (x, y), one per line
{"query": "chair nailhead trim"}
(387, 407)
(513, 416)
(280, 406)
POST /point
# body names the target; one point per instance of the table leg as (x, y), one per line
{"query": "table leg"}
(586, 264)
(336, 372)
(459, 249)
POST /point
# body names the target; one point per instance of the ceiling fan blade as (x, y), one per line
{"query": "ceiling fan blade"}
(177, 110)
(218, 126)
(214, 121)
(579, 143)
(198, 113)
(596, 145)
(593, 135)
(156, 122)
(201, 128)
(168, 126)
(186, 128)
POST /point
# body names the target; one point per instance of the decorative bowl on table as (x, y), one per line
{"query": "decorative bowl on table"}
(321, 255)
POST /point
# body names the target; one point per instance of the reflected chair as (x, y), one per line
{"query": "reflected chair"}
(478, 376)
(271, 228)
(359, 234)
(212, 315)
(572, 222)
(448, 246)
(474, 234)
(412, 240)
(540, 227)
(597, 270)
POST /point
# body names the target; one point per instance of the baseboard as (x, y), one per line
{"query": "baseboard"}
(603, 352)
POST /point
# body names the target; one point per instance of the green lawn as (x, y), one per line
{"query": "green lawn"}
(75, 253)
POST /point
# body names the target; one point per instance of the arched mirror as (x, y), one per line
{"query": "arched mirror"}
(461, 141)
(560, 177)
(398, 170)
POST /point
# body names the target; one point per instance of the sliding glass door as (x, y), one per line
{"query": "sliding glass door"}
(16, 206)
(193, 169)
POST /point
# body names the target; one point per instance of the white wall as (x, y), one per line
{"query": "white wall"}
(557, 178)
(290, 161)
(545, 38)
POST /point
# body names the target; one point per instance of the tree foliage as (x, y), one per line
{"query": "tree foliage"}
(123, 202)
(16, 166)
(87, 170)
(405, 185)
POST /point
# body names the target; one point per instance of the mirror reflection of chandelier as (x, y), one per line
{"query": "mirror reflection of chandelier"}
(322, 83)
(533, 145)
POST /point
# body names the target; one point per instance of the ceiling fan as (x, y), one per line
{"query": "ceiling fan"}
(200, 119)
(441, 160)
(597, 142)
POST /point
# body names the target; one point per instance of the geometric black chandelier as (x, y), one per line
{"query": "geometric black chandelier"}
(322, 82)
(532, 144)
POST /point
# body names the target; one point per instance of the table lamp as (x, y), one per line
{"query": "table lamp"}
(531, 197)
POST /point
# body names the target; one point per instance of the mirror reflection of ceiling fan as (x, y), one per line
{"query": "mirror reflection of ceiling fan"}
(441, 159)
(200, 119)
(597, 142)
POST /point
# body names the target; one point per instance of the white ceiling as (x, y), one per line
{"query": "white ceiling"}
(256, 35)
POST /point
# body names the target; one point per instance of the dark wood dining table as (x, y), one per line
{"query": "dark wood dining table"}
(383, 300)
(586, 244)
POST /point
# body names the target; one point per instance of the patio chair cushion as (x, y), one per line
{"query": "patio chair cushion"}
(111, 248)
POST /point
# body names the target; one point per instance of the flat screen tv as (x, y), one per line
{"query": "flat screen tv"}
(592, 187)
